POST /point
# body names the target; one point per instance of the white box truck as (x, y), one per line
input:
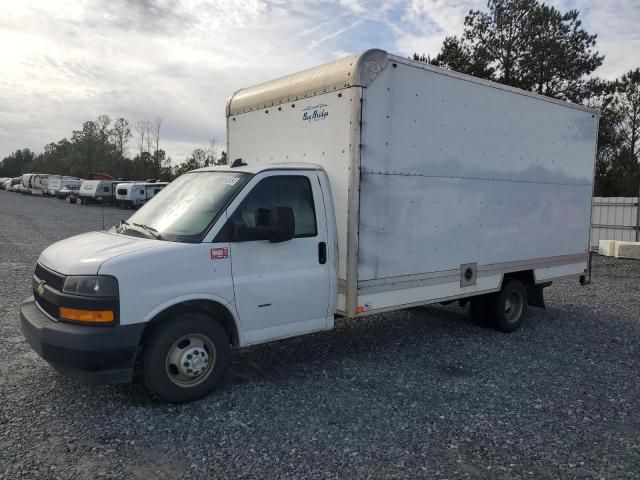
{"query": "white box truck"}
(369, 184)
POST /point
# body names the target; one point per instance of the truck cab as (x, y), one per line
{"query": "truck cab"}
(221, 257)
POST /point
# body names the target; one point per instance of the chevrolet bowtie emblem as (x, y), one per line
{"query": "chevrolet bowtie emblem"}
(40, 288)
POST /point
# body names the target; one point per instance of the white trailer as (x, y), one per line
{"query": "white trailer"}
(370, 184)
(58, 182)
(26, 183)
(136, 194)
(88, 191)
(53, 184)
(39, 184)
(98, 191)
(34, 183)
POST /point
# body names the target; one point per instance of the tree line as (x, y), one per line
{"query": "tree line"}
(533, 46)
(102, 145)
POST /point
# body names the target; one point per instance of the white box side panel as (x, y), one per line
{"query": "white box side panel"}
(415, 295)
(549, 273)
(283, 135)
(455, 172)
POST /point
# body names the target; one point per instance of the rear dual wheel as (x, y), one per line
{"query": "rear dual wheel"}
(504, 310)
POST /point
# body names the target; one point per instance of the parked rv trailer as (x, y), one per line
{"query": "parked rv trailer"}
(421, 185)
(39, 184)
(98, 191)
(136, 194)
(53, 185)
(152, 189)
(26, 183)
(58, 182)
(87, 191)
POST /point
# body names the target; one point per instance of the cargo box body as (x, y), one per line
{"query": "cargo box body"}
(442, 183)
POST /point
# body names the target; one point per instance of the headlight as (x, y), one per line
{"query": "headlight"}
(94, 285)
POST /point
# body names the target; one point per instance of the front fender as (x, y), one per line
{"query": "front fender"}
(230, 307)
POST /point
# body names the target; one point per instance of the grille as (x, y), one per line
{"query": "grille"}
(54, 280)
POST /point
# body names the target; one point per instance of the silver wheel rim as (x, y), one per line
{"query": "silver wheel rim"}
(513, 307)
(190, 360)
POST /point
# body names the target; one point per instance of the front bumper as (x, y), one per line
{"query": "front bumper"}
(91, 354)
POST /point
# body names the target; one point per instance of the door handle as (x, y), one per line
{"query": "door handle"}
(322, 253)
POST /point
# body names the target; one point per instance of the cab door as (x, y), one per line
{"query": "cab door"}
(281, 289)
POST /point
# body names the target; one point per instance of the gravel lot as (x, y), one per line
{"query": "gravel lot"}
(421, 393)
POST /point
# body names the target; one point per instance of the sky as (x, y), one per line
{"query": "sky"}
(65, 62)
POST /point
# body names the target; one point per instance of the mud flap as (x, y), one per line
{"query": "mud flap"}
(535, 294)
(586, 279)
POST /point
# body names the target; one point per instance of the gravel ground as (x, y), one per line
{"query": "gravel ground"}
(421, 393)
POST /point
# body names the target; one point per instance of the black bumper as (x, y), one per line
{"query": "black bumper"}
(87, 353)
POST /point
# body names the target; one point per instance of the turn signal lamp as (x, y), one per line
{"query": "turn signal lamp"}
(86, 316)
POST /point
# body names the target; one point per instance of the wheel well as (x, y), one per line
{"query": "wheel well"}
(213, 309)
(525, 276)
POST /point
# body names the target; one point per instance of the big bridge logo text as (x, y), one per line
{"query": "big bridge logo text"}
(313, 113)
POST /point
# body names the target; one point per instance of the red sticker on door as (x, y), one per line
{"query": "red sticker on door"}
(219, 253)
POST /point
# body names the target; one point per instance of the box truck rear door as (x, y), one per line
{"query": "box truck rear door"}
(282, 288)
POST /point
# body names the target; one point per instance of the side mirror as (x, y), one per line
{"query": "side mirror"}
(282, 224)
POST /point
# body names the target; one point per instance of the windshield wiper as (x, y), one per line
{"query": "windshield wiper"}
(149, 229)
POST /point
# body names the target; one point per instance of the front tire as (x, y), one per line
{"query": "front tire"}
(185, 357)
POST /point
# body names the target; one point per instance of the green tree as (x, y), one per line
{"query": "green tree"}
(192, 162)
(627, 93)
(84, 148)
(15, 164)
(559, 55)
(201, 157)
(525, 44)
(120, 135)
(609, 139)
(617, 166)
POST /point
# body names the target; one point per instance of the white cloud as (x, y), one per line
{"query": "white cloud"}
(65, 62)
(616, 23)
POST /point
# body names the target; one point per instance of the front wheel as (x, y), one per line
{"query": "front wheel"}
(185, 357)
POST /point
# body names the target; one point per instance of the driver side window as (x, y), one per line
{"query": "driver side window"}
(289, 191)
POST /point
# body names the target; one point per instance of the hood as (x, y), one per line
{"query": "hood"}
(83, 254)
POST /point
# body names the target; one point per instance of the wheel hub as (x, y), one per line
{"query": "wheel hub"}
(194, 361)
(190, 360)
(513, 307)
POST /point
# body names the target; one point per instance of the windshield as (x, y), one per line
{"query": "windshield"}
(184, 210)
